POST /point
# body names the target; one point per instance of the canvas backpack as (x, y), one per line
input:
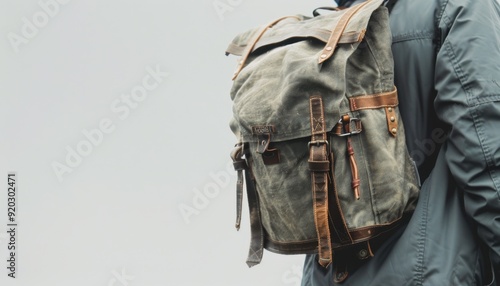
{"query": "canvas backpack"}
(320, 142)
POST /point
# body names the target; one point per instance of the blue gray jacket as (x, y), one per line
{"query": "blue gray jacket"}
(447, 70)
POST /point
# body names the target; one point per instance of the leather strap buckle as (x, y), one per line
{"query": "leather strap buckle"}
(348, 126)
(318, 142)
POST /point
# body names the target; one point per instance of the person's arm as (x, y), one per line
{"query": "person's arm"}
(468, 99)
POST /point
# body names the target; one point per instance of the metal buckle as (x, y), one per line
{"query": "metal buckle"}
(237, 152)
(317, 142)
(357, 126)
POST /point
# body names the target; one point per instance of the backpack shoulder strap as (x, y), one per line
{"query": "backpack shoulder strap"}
(254, 41)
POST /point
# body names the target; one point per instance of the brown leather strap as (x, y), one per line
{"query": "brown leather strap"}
(318, 154)
(392, 120)
(387, 99)
(293, 247)
(338, 31)
(254, 41)
(346, 119)
(256, 249)
(365, 233)
(296, 34)
(239, 165)
(354, 170)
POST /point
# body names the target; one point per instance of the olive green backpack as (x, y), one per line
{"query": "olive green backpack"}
(320, 142)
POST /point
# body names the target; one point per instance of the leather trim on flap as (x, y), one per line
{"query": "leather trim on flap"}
(295, 35)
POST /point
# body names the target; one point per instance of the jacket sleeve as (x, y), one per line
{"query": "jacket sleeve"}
(468, 100)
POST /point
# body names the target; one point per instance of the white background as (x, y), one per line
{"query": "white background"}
(113, 216)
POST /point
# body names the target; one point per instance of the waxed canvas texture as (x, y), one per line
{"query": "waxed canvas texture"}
(273, 89)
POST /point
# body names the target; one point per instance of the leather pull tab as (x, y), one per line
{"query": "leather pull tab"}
(271, 157)
(346, 121)
(354, 170)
